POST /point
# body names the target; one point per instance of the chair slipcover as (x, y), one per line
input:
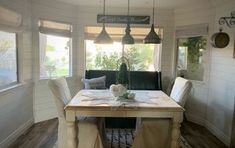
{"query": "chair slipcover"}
(88, 133)
(181, 90)
(153, 133)
(156, 133)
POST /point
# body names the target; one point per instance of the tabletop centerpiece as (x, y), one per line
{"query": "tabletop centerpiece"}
(120, 90)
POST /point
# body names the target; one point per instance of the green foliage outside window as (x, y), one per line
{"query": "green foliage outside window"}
(5, 45)
(140, 57)
(195, 47)
(55, 56)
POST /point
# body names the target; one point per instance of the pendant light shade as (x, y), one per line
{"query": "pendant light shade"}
(127, 38)
(152, 37)
(103, 37)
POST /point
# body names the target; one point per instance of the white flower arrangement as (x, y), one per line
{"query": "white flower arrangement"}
(121, 92)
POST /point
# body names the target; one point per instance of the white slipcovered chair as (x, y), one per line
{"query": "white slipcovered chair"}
(156, 133)
(88, 135)
(181, 90)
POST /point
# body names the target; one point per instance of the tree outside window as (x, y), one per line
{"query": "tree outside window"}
(55, 56)
(8, 59)
(190, 57)
(105, 57)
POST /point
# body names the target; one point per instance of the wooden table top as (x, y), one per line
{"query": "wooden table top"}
(103, 100)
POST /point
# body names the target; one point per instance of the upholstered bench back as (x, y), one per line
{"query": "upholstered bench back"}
(139, 80)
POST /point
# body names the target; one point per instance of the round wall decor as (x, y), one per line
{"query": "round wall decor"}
(220, 39)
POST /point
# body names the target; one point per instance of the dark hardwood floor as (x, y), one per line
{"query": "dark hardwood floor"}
(44, 135)
(40, 135)
(199, 137)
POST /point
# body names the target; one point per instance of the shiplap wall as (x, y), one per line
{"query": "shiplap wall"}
(222, 81)
(44, 107)
(16, 104)
(211, 101)
(196, 106)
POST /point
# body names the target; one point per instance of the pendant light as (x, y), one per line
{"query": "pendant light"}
(152, 37)
(103, 37)
(127, 38)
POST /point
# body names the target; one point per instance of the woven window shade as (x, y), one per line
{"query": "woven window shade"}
(192, 30)
(116, 33)
(55, 28)
(10, 18)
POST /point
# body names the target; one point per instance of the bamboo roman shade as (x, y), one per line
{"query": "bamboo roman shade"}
(10, 18)
(192, 30)
(116, 33)
(55, 28)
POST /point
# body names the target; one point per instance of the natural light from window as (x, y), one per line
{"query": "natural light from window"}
(8, 59)
(55, 56)
(190, 63)
(105, 57)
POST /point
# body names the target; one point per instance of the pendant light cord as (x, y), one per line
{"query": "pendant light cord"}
(104, 8)
(104, 14)
(153, 11)
(128, 7)
(128, 11)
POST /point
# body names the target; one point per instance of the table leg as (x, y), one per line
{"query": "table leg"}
(175, 135)
(71, 130)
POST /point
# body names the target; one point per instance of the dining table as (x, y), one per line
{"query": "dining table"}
(102, 103)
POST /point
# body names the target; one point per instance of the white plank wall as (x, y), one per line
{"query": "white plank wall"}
(222, 81)
(16, 104)
(196, 106)
(44, 107)
(211, 101)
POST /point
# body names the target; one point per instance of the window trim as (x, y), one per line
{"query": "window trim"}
(17, 82)
(86, 68)
(176, 56)
(70, 57)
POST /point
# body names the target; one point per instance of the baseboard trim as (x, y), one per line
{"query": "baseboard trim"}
(195, 119)
(218, 133)
(209, 126)
(14, 135)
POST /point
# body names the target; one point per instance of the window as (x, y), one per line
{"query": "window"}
(8, 59)
(55, 49)
(190, 57)
(105, 57)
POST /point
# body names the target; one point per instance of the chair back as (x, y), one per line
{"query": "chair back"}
(181, 90)
(62, 96)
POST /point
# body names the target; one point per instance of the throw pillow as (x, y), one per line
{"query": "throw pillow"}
(95, 83)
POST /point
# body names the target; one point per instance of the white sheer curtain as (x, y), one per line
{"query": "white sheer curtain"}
(157, 57)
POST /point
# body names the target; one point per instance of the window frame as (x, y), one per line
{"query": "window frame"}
(70, 57)
(36, 34)
(120, 52)
(159, 29)
(177, 51)
(12, 84)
